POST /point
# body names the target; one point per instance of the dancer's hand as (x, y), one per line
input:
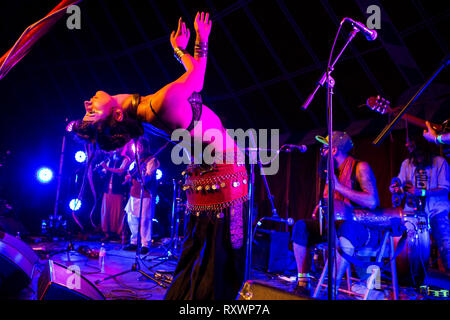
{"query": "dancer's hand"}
(180, 38)
(202, 26)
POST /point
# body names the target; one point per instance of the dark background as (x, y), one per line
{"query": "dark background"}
(264, 59)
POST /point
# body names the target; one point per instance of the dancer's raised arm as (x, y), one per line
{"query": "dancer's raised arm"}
(193, 79)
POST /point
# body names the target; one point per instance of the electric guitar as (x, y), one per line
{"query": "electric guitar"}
(382, 105)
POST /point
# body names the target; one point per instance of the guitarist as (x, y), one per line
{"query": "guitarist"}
(425, 183)
(355, 186)
(148, 165)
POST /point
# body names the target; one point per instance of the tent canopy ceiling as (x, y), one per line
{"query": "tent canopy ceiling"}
(264, 60)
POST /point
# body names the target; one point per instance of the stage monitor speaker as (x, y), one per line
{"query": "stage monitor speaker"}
(270, 250)
(58, 282)
(259, 290)
(17, 264)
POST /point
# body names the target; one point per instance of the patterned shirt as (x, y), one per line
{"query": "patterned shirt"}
(436, 176)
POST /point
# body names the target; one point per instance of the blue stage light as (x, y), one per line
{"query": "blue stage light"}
(80, 156)
(158, 174)
(75, 204)
(44, 175)
(157, 199)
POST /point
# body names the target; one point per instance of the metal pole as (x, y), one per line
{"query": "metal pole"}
(330, 169)
(61, 160)
(248, 265)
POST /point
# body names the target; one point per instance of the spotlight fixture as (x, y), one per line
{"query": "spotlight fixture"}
(80, 156)
(44, 175)
(75, 204)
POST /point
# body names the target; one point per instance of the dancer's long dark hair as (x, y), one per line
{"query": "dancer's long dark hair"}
(109, 134)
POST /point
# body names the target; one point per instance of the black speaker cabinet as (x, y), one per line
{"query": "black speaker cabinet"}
(259, 290)
(270, 250)
(17, 264)
(58, 282)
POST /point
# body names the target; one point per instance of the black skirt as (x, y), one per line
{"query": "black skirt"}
(209, 267)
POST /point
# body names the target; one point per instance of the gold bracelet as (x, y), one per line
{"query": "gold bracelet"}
(179, 53)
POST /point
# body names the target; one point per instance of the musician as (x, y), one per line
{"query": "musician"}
(212, 262)
(148, 164)
(424, 182)
(114, 194)
(431, 135)
(355, 186)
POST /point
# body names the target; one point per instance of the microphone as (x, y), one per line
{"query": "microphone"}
(288, 221)
(302, 148)
(369, 33)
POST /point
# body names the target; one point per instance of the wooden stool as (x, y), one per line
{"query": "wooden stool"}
(385, 250)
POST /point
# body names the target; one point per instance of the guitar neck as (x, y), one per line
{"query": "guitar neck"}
(381, 105)
(420, 122)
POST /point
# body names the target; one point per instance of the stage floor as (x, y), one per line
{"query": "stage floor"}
(159, 265)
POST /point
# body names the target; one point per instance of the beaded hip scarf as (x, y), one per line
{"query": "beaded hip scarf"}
(219, 189)
(215, 187)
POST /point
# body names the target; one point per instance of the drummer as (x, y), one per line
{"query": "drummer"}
(355, 187)
(424, 183)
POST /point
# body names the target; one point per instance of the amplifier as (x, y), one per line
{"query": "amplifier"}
(270, 251)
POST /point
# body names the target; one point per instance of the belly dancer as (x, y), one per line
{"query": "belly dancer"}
(212, 262)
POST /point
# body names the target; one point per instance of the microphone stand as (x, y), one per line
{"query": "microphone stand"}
(70, 246)
(389, 127)
(248, 261)
(136, 266)
(173, 244)
(330, 82)
(251, 191)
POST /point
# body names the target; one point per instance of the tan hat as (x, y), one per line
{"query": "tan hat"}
(341, 140)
